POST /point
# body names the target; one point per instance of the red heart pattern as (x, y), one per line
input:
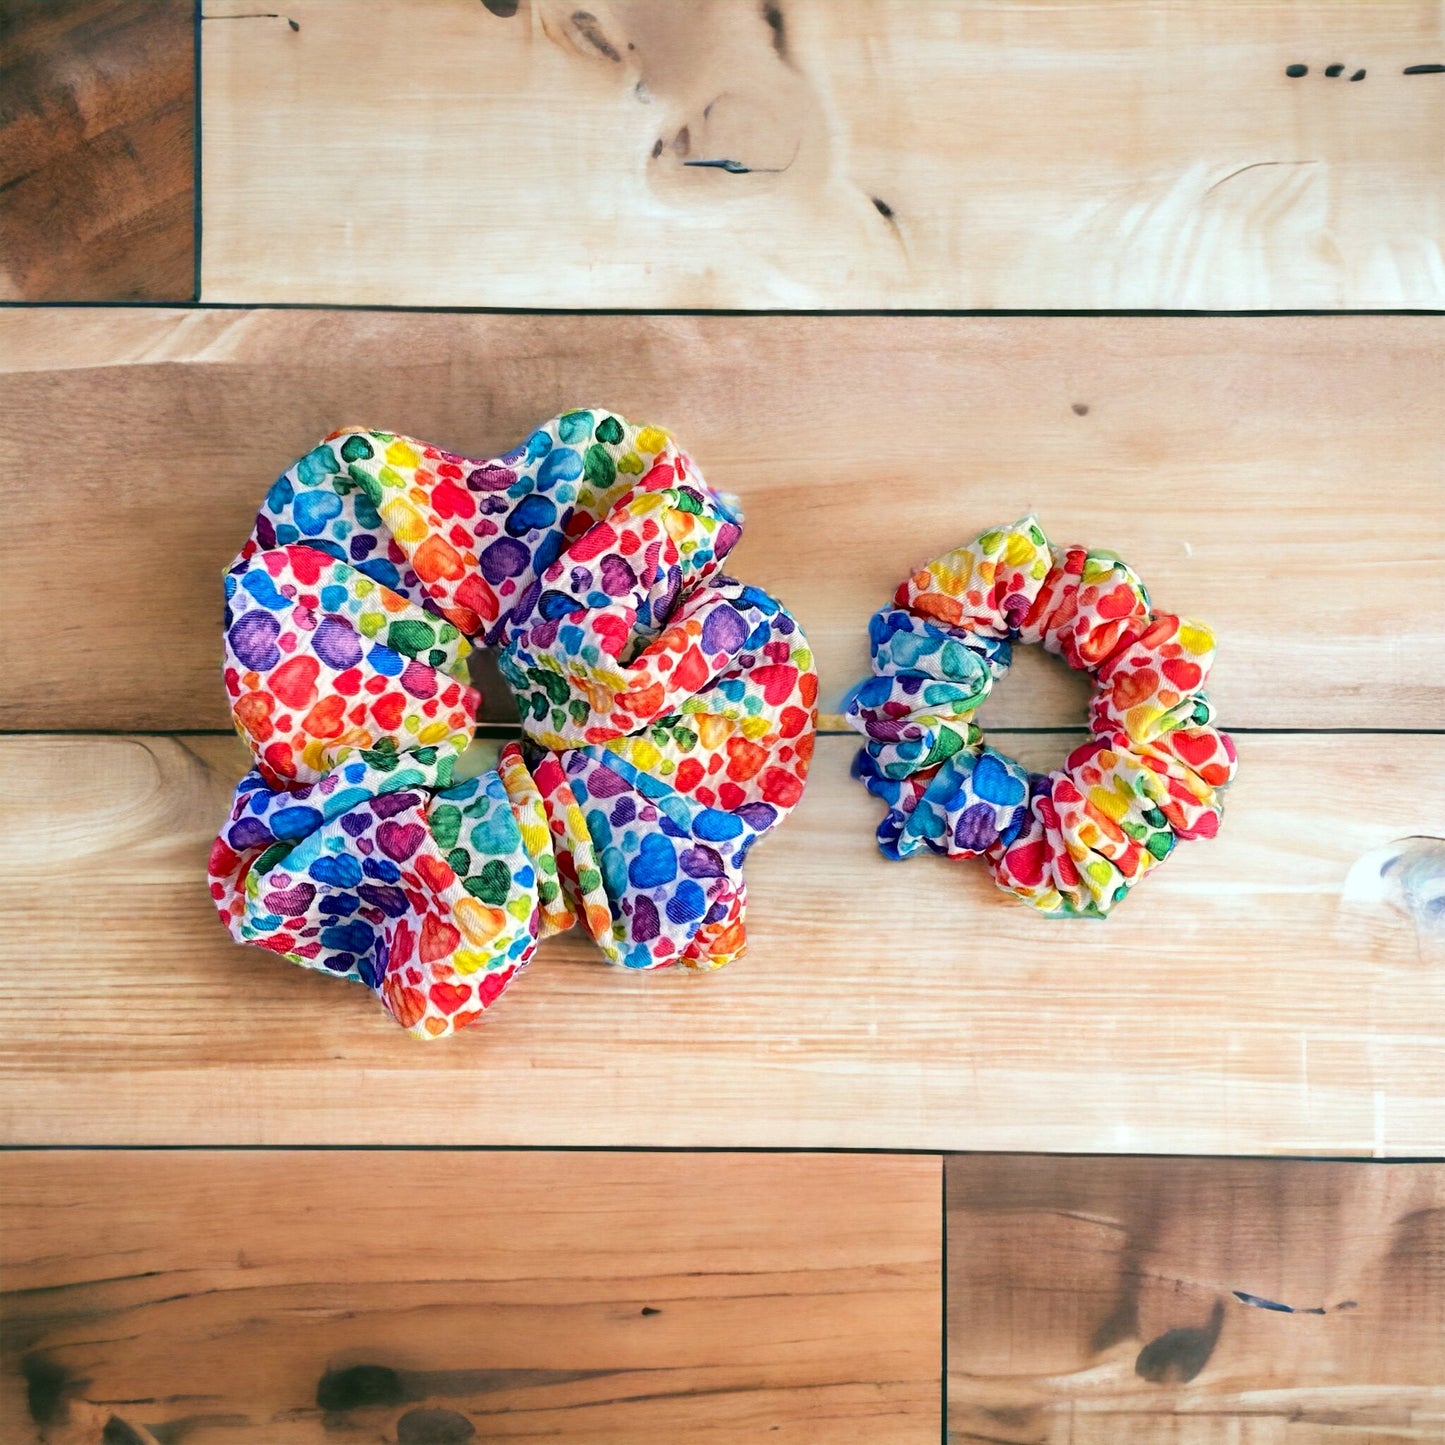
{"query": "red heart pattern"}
(590, 556)
(1075, 840)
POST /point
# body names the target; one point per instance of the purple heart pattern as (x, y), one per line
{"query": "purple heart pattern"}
(1074, 841)
(668, 713)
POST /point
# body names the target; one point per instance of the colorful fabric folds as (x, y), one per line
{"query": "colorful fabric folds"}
(668, 713)
(1071, 842)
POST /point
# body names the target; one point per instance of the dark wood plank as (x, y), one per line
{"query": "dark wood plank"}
(97, 105)
(439, 1298)
(1114, 1301)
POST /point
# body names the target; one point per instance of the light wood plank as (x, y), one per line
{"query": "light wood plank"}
(612, 1299)
(1240, 1002)
(1097, 1302)
(1281, 479)
(97, 150)
(957, 154)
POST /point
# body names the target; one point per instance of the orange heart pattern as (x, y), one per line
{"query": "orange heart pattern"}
(1073, 841)
(668, 713)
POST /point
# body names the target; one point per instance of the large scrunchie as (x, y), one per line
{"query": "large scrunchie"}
(1071, 842)
(668, 713)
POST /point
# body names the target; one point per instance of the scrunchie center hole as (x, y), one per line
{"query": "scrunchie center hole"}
(1039, 690)
(499, 720)
(499, 707)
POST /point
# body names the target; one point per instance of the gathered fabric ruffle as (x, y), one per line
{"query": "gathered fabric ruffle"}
(668, 713)
(1072, 841)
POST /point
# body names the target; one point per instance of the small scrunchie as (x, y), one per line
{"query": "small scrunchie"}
(1071, 842)
(668, 713)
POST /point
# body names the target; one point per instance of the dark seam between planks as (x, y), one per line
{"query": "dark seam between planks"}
(503, 732)
(940, 313)
(943, 1299)
(196, 153)
(900, 1153)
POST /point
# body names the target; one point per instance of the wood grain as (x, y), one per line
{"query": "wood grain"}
(612, 1299)
(1280, 478)
(1098, 1302)
(959, 154)
(97, 150)
(1240, 1003)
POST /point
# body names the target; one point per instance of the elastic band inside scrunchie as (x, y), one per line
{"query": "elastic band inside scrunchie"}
(668, 713)
(1071, 842)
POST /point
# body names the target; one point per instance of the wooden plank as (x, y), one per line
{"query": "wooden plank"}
(1200, 1301)
(1279, 478)
(1244, 1001)
(97, 150)
(960, 154)
(425, 1298)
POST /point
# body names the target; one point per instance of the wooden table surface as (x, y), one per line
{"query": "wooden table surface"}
(1149, 153)
(603, 1298)
(239, 1207)
(1129, 1301)
(97, 112)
